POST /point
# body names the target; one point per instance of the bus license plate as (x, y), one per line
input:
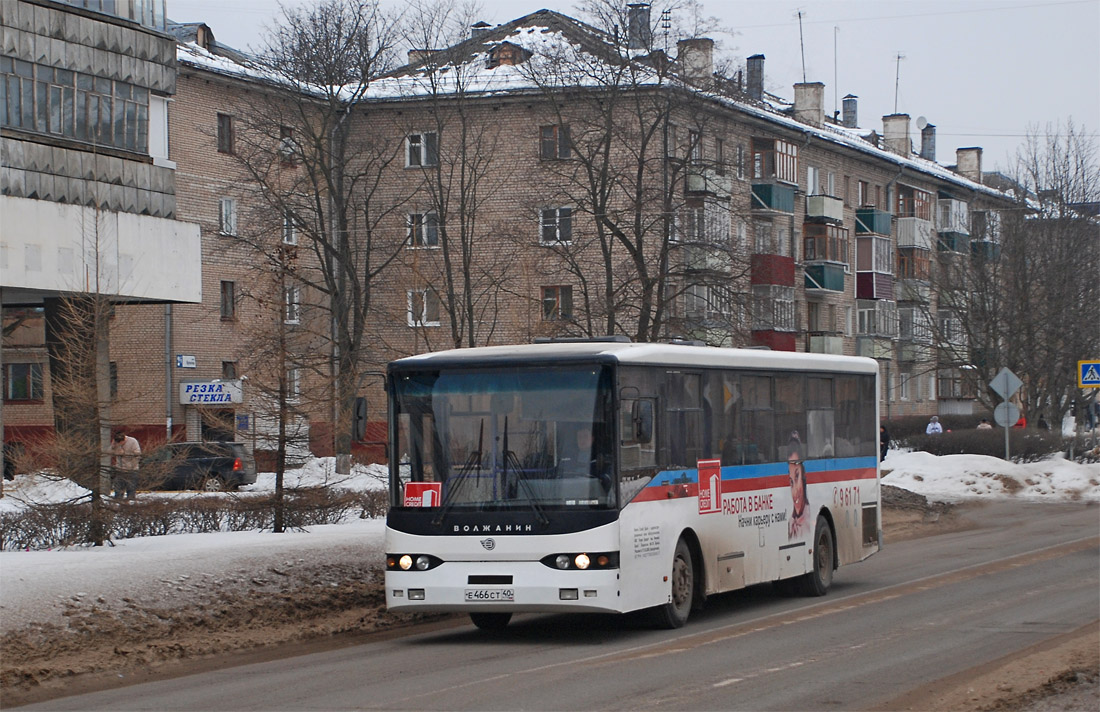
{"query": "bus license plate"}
(490, 594)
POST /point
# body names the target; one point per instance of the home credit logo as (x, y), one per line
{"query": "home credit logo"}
(710, 486)
(423, 494)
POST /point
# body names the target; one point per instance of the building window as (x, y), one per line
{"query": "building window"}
(813, 180)
(225, 133)
(229, 300)
(293, 384)
(292, 305)
(720, 156)
(227, 216)
(229, 370)
(741, 162)
(423, 307)
(772, 238)
(555, 225)
(554, 142)
(49, 100)
(557, 303)
(23, 381)
(773, 308)
(863, 193)
(775, 158)
(288, 147)
(112, 379)
(874, 254)
(695, 147)
(290, 231)
(825, 242)
(848, 190)
(422, 150)
(423, 229)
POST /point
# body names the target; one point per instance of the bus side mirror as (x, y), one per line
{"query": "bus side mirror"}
(641, 414)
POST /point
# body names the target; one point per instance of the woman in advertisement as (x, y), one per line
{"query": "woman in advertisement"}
(798, 524)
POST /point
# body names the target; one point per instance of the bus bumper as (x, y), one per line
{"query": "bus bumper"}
(533, 587)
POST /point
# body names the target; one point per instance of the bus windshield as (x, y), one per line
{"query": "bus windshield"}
(530, 438)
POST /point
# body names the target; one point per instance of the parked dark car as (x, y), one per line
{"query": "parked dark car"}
(209, 466)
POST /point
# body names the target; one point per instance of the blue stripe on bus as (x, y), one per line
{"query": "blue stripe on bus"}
(769, 469)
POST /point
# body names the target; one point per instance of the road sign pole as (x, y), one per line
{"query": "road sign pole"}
(1006, 443)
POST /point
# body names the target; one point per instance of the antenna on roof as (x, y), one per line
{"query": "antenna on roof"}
(802, 44)
(897, 81)
(666, 25)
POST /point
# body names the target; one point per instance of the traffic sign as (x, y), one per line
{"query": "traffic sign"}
(1005, 383)
(1006, 414)
(1088, 374)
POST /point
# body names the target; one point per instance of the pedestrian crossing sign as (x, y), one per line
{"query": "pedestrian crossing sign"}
(1088, 374)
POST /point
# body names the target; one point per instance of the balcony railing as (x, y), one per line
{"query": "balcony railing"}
(707, 180)
(822, 344)
(872, 220)
(913, 290)
(825, 275)
(824, 207)
(773, 196)
(913, 352)
(915, 232)
(874, 347)
(874, 285)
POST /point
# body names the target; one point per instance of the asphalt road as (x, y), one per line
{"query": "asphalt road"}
(917, 612)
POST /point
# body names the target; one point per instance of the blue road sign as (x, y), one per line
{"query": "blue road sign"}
(1088, 374)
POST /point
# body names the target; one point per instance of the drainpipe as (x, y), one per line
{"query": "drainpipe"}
(168, 372)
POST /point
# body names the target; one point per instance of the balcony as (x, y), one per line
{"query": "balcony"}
(911, 352)
(773, 196)
(707, 180)
(874, 285)
(913, 290)
(873, 347)
(915, 232)
(872, 220)
(954, 216)
(825, 275)
(985, 250)
(877, 318)
(952, 242)
(824, 208)
(824, 344)
(701, 257)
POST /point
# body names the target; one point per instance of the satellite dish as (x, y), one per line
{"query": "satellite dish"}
(921, 122)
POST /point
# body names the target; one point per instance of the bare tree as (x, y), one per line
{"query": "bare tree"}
(313, 163)
(1027, 296)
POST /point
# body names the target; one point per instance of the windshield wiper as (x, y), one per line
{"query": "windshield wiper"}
(471, 466)
(511, 461)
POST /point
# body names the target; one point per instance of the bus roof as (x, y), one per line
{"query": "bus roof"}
(669, 355)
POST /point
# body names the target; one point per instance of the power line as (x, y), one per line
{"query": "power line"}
(925, 14)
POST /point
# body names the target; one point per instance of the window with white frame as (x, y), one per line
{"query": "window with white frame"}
(876, 317)
(695, 147)
(423, 307)
(740, 162)
(557, 303)
(555, 225)
(423, 229)
(422, 149)
(293, 383)
(904, 378)
(23, 381)
(292, 305)
(290, 231)
(772, 238)
(227, 216)
(813, 180)
(773, 308)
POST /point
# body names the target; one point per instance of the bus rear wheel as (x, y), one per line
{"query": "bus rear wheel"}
(820, 578)
(491, 621)
(674, 614)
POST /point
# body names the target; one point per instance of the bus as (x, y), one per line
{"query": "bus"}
(609, 476)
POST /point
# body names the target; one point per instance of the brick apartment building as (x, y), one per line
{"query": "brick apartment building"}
(733, 217)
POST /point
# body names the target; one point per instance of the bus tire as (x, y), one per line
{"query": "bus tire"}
(491, 621)
(820, 578)
(674, 614)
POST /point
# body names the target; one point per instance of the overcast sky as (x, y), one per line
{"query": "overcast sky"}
(983, 72)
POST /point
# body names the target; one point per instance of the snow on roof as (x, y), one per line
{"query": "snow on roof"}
(557, 41)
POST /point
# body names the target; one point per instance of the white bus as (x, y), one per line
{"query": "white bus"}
(614, 477)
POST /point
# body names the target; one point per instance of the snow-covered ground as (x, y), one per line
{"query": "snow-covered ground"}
(37, 585)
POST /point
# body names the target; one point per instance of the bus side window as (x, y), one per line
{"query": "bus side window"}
(636, 441)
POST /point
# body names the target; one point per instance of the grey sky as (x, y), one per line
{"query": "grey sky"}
(982, 71)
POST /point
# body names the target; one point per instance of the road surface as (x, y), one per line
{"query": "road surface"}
(918, 612)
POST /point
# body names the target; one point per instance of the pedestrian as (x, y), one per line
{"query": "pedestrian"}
(125, 455)
(883, 442)
(984, 425)
(934, 427)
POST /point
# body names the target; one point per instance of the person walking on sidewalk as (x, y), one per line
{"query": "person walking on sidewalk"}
(125, 455)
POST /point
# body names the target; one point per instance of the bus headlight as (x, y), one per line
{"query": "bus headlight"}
(582, 561)
(411, 562)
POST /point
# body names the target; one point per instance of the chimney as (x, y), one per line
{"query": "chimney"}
(479, 28)
(696, 57)
(809, 103)
(755, 71)
(928, 141)
(639, 33)
(969, 163)
(895, 134)
(851, 118)
(419, 56)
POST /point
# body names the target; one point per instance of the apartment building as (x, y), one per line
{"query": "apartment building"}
(87, 194)
(512, 199)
